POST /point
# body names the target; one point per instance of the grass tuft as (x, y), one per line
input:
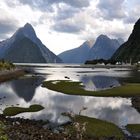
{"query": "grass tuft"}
(3, 136)
(12, 111)
(97, 128)
(134, 129)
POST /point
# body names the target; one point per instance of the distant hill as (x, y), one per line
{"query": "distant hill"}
(130, 50)
(102, 48)
(77, 55)
(25, 47)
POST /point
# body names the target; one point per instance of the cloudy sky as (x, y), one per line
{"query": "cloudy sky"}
(65, 24)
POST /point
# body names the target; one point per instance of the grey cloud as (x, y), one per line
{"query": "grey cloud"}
(111, 9)
(64, 13)
(46, 5)
(120, 34)
(3, 36)
(132, 15)
(42, 5)
(77, 3)
(67, 28)
(130, 20)
(7, 26)
(12, 3)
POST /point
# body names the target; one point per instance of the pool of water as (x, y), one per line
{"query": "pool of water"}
(28, 90)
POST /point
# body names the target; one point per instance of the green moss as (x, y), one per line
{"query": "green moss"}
(97, 128)
(133, 128)
(3, 136)
(75, 88)
(12, 111)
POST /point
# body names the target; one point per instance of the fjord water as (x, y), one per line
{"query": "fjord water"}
(28, 90)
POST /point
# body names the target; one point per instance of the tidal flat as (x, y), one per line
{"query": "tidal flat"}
(114, 109)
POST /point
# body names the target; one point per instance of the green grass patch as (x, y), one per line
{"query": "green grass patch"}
(97, 128)
(75, 88)
(133, 128)
(12, 111)
(3, 136)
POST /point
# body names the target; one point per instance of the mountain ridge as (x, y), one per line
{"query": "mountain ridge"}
(130, 50)
(103, 48)
(25, 32)
(90, 50)
(76, 55)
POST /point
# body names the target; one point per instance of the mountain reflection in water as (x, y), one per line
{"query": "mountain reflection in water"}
(27, 90)
(99, 82)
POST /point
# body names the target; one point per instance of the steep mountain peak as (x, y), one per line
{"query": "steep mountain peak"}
(25, 39)
(28, 25)
(29, 31)
(26, 31)
(136, 31)
(103, 48)
(103, 37)
(130, 50)
(28, 28)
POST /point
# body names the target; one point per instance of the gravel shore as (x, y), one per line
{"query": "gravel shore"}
(11, 74)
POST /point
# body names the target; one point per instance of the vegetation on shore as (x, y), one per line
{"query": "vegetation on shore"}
(8, 71)
(3, 136)
(101, 61)
(4, 65)
(12, 111)
(137, 67)
(134, 129)
(11, 75)
(94, 128)
(76, 88)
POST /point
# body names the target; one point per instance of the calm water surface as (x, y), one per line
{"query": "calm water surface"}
(27, 90)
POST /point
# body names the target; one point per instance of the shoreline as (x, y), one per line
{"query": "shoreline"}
(77, 65)
(11, 74)
(20, 128)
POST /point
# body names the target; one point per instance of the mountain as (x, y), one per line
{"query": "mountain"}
(130, 50)
(102, 48)
(25, 47)
(77, 55)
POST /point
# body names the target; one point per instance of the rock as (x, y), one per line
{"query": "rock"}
(67, 77)
(56, 131)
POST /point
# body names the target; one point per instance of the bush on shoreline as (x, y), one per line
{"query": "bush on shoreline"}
(101, 61)
(5, 65)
